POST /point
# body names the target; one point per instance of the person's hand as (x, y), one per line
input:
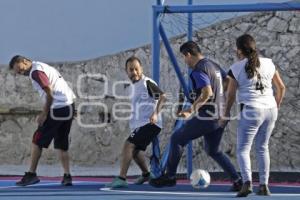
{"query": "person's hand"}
(184, 114)
(153, 118)
(75, 114)
(223, 121)
(41, 118)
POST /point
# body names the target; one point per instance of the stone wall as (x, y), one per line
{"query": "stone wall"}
(277, 35)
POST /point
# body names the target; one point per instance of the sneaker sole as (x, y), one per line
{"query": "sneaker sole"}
(67, 184)
(30, 183)
(119, 186)
(263, 194)
(234, 189)
(139, 183)
(160, 186)
(244, 194)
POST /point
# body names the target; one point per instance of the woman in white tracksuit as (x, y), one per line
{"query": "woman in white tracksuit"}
(252, 78)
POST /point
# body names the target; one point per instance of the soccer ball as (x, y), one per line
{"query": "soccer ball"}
(200, 179)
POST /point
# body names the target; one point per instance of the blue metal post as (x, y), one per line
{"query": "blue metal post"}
(190, 23)
(155, 160)
(189, 160)
(178, 123)
(173, 60)
(229, 8)
(155, 47)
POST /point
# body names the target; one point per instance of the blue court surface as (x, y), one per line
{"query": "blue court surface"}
(88, 189)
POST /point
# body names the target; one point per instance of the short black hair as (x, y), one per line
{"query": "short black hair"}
(190, 47)
(16, 59)
(131, 59)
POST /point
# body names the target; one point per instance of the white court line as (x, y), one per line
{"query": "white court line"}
(255, 185)
(172, 193)
(190, 193)
(35, 185)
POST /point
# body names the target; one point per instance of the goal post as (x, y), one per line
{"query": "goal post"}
(159, 35)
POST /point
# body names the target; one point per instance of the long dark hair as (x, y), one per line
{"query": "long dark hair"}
(247, 45)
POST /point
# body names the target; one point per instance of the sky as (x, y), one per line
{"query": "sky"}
(74, 30)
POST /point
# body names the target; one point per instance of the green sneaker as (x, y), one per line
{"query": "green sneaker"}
(142, 179)
(117, 183)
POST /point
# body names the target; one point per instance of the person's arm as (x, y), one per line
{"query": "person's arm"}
(43, 81)
(201, 82)
(162, 99)
(225, 79)
(181, 98)
(280, 88)
(206, 93)
(225, 83)
(155, 92)
(231, 93)
(46, 109)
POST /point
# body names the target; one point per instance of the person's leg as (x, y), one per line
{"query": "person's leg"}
(64, 119)
(41, 139)
(192, 129)
(251, 119)
(262, 149)
(65, 160)
(139, 158)
(127, 155)
(30, 177)
(61, 143)
(138, 140)
(36, 153)
(212, 144)
(247, 128)
(136, 143)
(142, 138)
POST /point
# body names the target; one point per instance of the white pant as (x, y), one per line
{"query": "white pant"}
(255, 123)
